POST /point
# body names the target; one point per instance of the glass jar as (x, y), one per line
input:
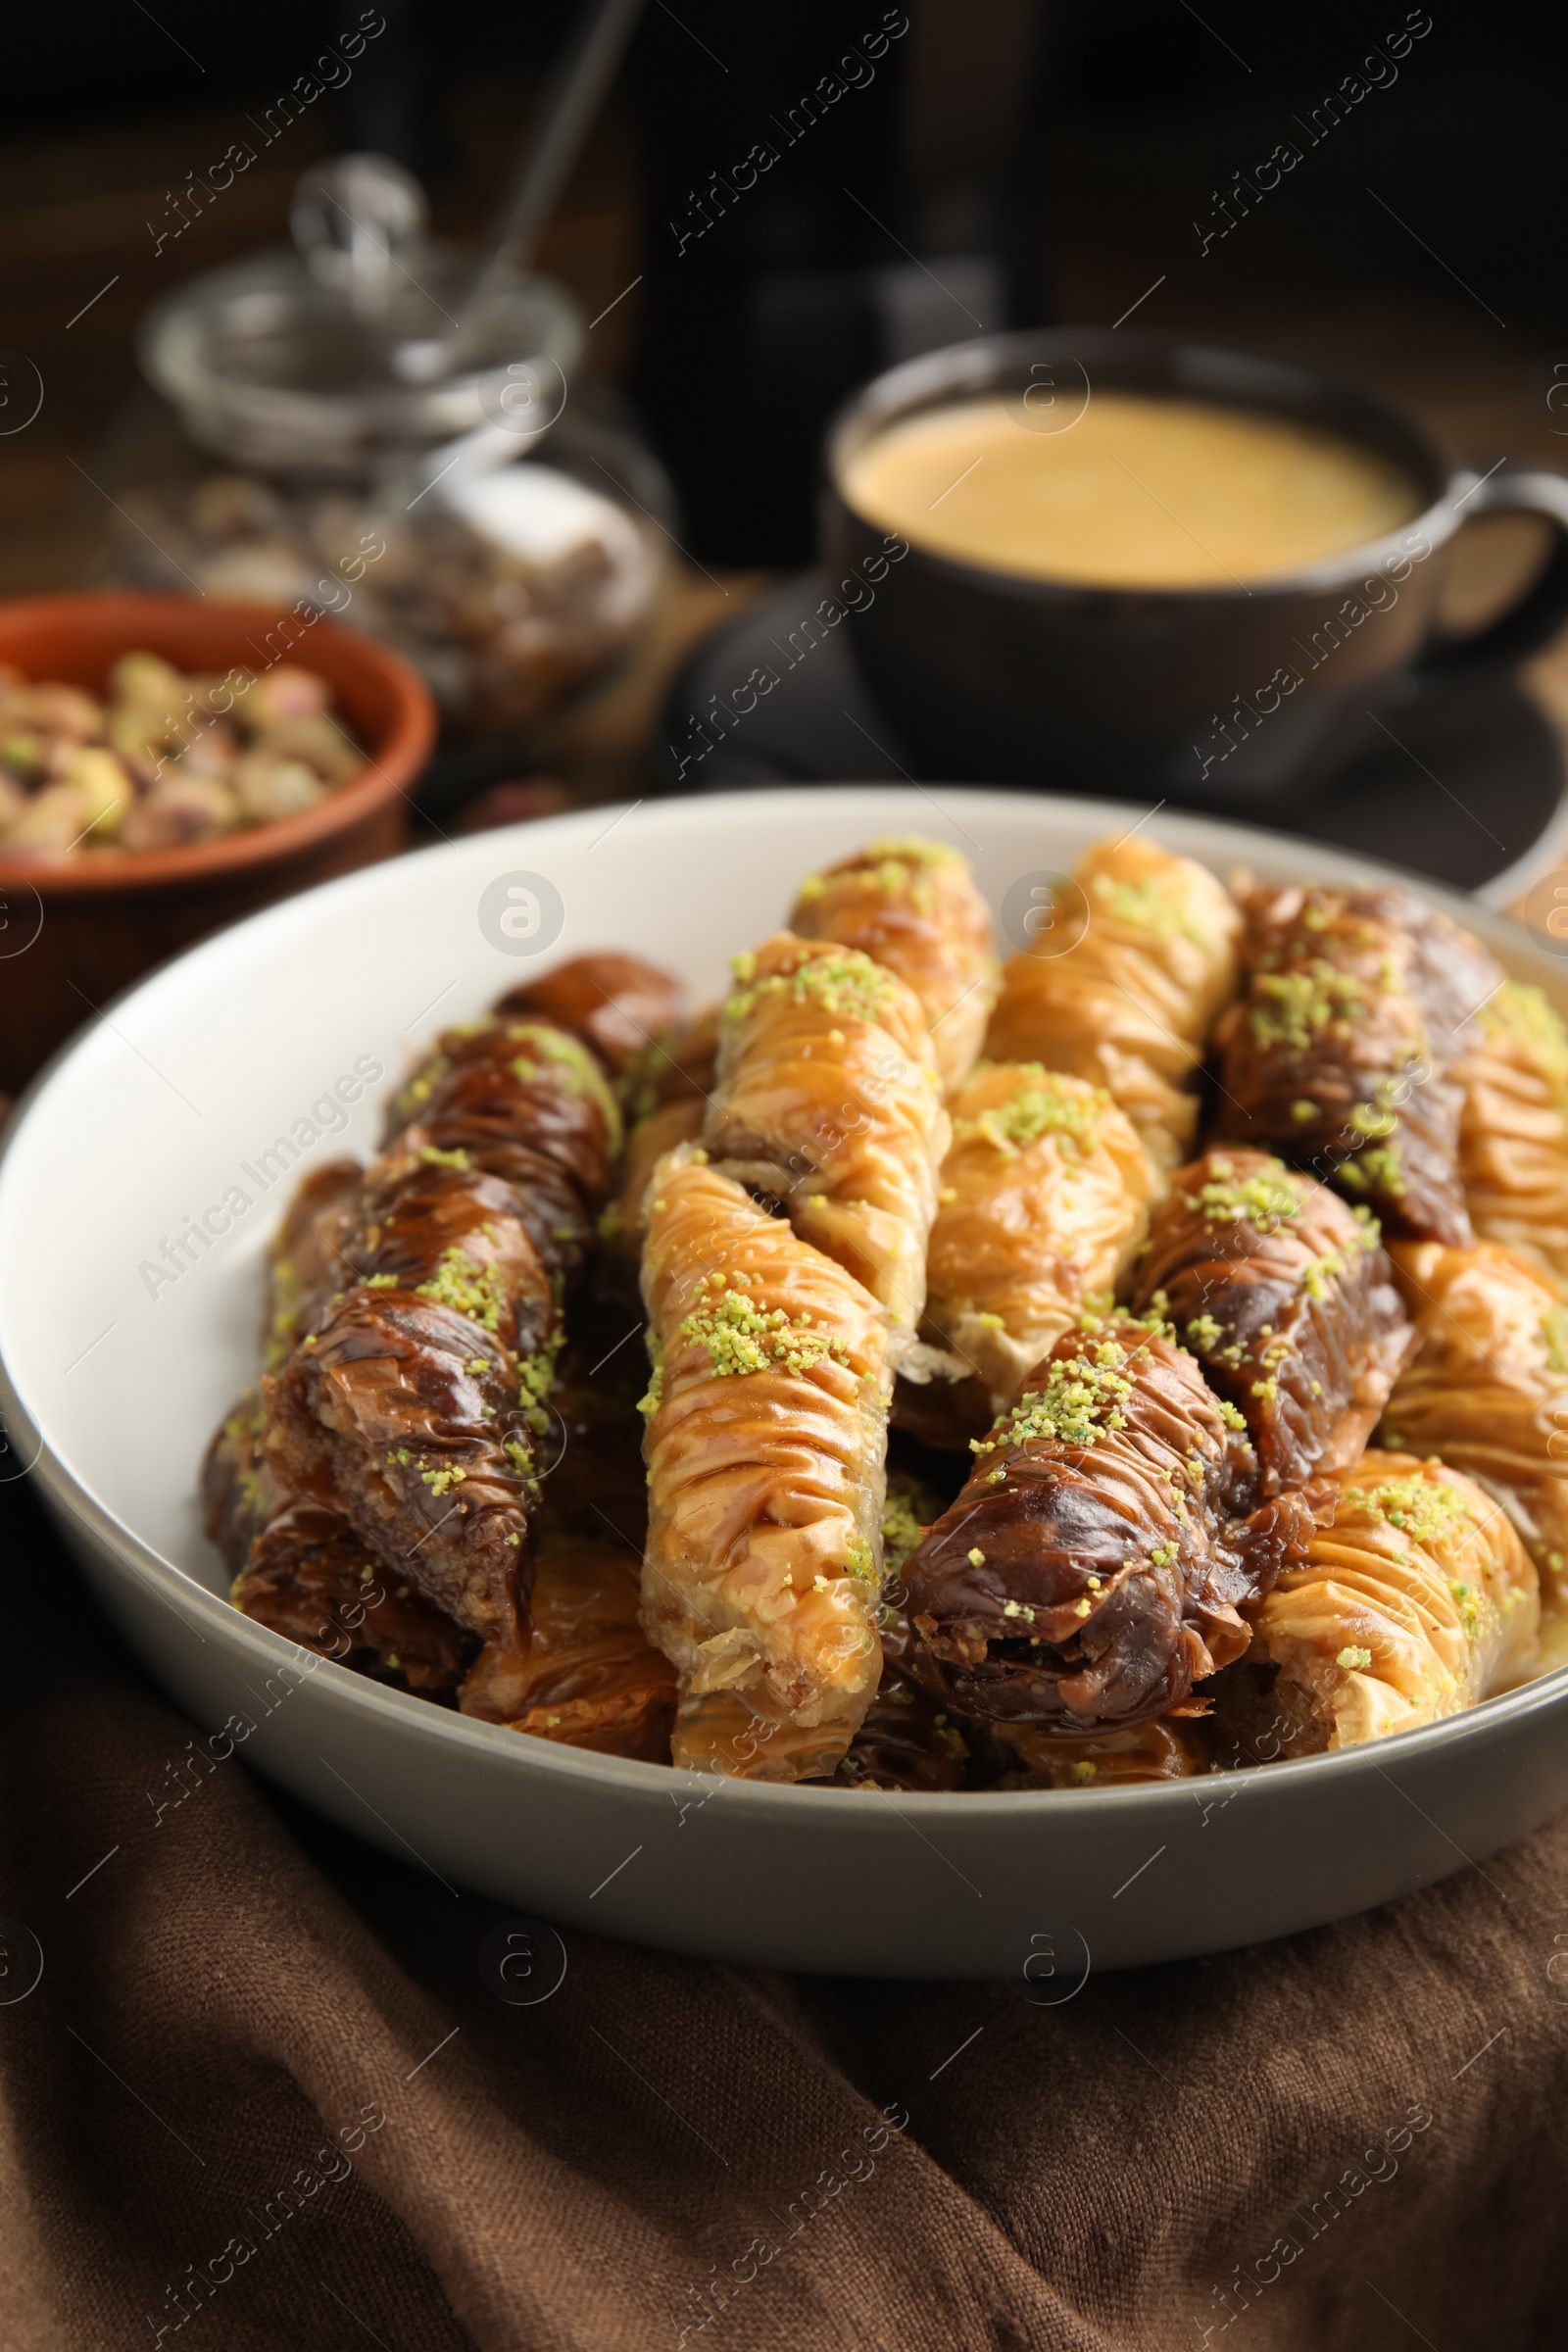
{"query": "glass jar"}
(330, 429)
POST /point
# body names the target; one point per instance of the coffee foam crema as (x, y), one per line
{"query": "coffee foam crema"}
(1140, 492)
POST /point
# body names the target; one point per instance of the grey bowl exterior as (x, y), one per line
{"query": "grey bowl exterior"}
(842, 1881)
(845, 1881)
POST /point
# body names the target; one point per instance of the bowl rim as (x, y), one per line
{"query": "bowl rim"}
(386, 776)
(968, 370)
(1489, 1721)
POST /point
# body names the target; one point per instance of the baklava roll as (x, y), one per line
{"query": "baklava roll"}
(1415, 1603)
(828, 1099)
(305, 1262)
(311, 1578)
(305, 1266)
(1513, 1128)
(1287, 1300)
(1129, 1000)
(1016, 1755)
(1094, 1568)
(295, 1561)
(1043, 1203)
(417, 1399)
(591, 1679)
(912, 905)
(530, 1104)
(765, 1450)
(618, 1005)
(1489, 1392)
(1338, 1054)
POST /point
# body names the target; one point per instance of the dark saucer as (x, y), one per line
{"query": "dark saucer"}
(1458, 776)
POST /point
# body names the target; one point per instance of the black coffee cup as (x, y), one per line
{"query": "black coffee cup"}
(1222, 696)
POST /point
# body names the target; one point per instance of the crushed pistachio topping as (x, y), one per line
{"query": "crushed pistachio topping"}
(1522, 1015)
(1554, 1337)
(1319, 1272)
(1468, 1601)
(1291, 1009)
(536, 1376)
(1043, 1103)
(1375, 1170)
(1080, 1401)
(422, 1085)
(1372, 1121)
(1301, 1110)
(977, 1558)
(470, 1289)
(841, 981)
(438, 1481)
(1148, 903)
(742, 1336)
(1354, 1659)
(857, 1560)
(649, 1403)
(434, 1158)
(519, 1453)
(549, 1051)
(915, 847)
(1084, 1770)
(1431, 1516)
(380, 1281)
(1018, 1608)
(1203, 1334)
(1264, 1201)
(902, 1531)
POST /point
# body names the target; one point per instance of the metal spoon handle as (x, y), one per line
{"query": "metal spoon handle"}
(571, 98)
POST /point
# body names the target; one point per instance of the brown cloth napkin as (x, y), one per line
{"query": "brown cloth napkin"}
(262, 2095)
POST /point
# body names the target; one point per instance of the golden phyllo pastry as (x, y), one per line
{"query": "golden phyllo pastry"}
(1043, 1203)
(912, 905)
(765, 1449)
(828, 1099)
(1488, 1390)
(1129, 1000)
(1419, 1601)
(1513, 1128)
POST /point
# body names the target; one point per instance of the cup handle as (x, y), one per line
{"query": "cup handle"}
(1543, 607)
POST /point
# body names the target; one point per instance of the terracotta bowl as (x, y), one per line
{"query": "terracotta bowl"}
(74, 931)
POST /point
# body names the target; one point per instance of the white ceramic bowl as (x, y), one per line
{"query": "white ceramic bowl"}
(111, 1390)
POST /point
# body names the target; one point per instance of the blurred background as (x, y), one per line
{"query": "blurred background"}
(976, 164)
